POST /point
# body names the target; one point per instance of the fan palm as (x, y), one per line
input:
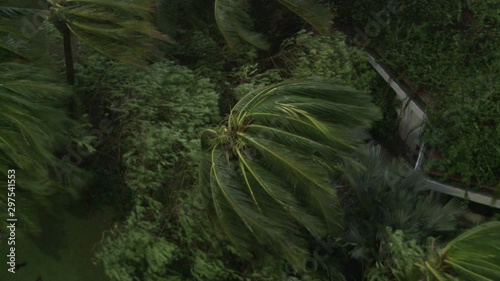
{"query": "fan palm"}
(235, 23)
(119, 29)
(267, 173)
(389, 193)
(472, 256)
(32, 127)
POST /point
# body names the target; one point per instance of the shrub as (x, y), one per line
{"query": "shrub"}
(329, 57)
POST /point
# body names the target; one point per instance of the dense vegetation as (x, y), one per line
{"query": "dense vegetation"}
(239, 149)
(447, 52)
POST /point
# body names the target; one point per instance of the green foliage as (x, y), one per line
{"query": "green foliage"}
(307, 55)
(313, 12)
(198, 49)
(172, 16)
(449, 51)
(161, 110)
(397, 258)
(268, 173)
(15, 44)
(235, 21)
(134, 252)
(473, 255)
(286, 134)
(466, 132)
(32, 129)
(167, 235)
(330, 57)
(118, 29)
(387, 193)
(248, 78)
(385, 130)
(173, 94)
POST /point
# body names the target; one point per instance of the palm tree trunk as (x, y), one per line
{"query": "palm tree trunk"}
(68, 55)
(74, 103)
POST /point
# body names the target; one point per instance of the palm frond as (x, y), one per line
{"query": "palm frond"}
(14, 12)
(33, 128)
(313, 12)
(119, 29)
(233, 198)
(388, 193)
(475, 254)
(278, 152)
(235, 24)
(298, 93)
(282, 194)
(20, 42)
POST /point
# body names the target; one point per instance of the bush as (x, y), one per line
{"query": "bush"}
(330, 57)
(397, 258)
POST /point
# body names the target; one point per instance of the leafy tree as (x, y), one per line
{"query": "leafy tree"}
(267, 172)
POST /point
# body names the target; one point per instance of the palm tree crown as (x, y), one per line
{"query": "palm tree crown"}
(268, 172)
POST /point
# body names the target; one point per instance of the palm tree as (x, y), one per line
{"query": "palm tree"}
(235, 23)
(268, 172)
(118, 29)
(474, 255)
(389, 193)
(32, 129)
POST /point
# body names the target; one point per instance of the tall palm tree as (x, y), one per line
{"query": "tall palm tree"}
(119, 29)
(268, 172)
(234, 20)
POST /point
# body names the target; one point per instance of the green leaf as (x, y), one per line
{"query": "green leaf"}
(235, 24)
(313, 12)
